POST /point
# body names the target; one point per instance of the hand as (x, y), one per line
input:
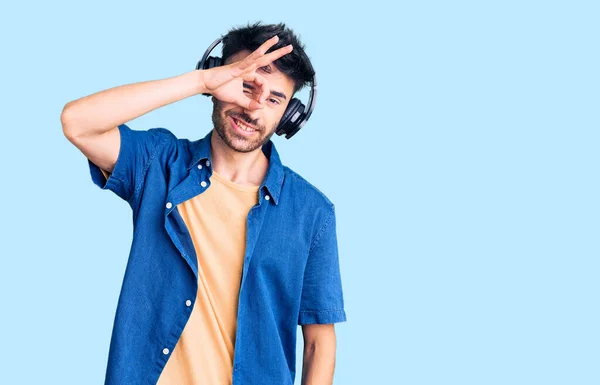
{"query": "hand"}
(226, 82)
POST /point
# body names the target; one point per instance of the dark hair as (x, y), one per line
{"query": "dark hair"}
(250, 37)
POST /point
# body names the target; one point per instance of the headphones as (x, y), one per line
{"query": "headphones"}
(294, 116)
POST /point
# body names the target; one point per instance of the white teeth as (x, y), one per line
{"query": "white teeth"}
(243, 126)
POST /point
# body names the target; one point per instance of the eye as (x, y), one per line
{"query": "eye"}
(274, 101)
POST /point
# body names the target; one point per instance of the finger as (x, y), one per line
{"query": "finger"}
(242, 69)
(272, 56)
(264, 47)
(248, 103)
(260, 51)
(261, 82)
(254, 105)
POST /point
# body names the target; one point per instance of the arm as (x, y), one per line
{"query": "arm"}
(91, 123)
(319, 354)
(322, 305)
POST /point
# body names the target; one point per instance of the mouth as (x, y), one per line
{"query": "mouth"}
(242, 127)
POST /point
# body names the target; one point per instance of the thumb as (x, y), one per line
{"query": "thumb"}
(248, 103)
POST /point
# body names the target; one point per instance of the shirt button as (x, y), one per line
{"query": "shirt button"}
(169, 205)
(188, 303)
(165, 351)
(200, 166)
(207, 163)
(203, 183)
(267, 197)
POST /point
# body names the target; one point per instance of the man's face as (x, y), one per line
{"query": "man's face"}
(230, 120)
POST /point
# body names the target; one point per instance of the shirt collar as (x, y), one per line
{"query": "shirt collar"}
(273, 180)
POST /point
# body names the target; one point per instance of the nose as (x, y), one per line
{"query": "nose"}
(252, 114)
(254, 94)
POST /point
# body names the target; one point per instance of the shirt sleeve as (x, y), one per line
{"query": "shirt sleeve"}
(137, 149)
(322, 299)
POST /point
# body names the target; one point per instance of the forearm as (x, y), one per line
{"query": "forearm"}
(318, 364)
(99, 112)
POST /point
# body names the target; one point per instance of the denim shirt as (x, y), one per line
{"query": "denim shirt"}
(290, 275)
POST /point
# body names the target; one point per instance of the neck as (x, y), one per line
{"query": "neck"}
(244, 168)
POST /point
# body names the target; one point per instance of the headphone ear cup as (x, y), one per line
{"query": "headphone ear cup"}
(296, 126)
(210, 62)
(213, 62)
(290, 117)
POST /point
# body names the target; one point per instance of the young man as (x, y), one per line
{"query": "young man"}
(231, 249)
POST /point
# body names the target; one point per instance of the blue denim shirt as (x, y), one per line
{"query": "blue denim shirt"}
(290, 275)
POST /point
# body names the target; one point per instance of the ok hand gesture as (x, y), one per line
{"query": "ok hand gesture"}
(226, 82)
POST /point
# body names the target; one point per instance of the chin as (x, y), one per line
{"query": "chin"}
(234, 139)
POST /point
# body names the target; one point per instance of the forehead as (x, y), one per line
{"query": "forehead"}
(278, 81)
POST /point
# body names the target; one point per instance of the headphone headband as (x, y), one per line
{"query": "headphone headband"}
(294, 116)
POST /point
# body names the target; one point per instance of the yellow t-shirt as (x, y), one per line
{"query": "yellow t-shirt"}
(216, 220)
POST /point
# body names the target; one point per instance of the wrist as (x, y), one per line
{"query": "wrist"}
(199, 81)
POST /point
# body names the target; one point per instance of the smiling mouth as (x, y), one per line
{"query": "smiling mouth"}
(243, 126)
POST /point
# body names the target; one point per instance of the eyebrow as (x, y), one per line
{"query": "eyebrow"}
(279, 94)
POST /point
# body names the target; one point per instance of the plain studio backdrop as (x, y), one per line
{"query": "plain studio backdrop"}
(458, 140)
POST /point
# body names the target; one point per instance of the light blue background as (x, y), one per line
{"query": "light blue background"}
(458, 140)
